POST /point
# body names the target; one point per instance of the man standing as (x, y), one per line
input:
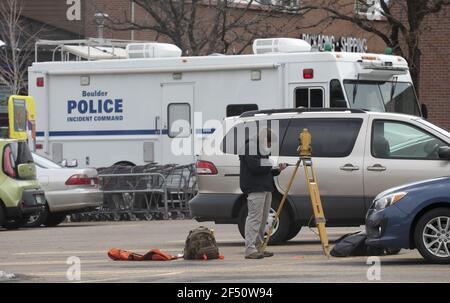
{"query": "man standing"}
(256, 181)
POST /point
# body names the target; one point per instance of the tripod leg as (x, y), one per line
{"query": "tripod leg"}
(316, 204)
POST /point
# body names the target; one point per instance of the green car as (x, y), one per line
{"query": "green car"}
(20, 192)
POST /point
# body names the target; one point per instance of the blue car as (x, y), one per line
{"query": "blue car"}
(415, 215)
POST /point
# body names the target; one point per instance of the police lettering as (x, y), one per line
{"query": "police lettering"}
(95, 106)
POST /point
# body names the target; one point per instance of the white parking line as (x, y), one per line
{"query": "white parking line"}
(85, 252)
(132, 277)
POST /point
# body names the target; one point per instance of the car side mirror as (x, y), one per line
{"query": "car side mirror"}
(444, 152)
(73, 163)
(27, 171)
(63, 163)
(424, 110)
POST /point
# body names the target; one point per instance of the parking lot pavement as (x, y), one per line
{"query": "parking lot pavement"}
(41, 255)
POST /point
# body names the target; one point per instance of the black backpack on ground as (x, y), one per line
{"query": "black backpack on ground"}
(354, 244)
(201, 245)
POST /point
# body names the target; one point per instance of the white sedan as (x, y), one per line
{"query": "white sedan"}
(67, 191)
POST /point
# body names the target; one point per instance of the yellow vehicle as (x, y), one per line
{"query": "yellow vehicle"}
(20, 192)
(18, 119)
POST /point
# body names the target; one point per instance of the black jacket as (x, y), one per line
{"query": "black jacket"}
(254, 177)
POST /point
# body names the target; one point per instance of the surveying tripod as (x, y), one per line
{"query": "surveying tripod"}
(304, 150)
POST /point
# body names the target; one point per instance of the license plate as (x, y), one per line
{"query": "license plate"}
(39, 199)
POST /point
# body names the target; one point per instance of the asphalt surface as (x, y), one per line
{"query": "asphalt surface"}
(41, 255)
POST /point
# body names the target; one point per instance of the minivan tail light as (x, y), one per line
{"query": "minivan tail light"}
(206, 168)
(80, 180)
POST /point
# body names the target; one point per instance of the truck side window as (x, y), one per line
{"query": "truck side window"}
(316, 97)
(179, 120)
(337, 98)
(302, 97)
(308, 97)
(238, 109)
(332, 138)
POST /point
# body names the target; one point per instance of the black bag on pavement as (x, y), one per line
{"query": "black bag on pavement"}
(354, 244)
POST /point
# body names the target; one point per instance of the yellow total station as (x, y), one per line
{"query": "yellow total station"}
(305, 143)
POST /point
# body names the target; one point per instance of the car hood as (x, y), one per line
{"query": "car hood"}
(415, 185)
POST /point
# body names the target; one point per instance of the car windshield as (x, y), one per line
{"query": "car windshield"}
(44, 162)
(434, 127)
(382, 96)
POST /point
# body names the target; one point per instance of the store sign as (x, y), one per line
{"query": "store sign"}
(338, 44)
(73, 12)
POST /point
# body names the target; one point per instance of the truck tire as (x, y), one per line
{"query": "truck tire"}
(54, 219)
(432, 235)
(15, 223)
(281, 232)
(2, 214)
(38, 219)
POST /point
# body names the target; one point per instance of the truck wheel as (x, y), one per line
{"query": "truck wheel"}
(124, 163)
(54, 219)
(281, 229)
(15, 223)
(432, 235)
(37, 219)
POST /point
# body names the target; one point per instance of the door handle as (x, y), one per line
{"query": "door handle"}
(157, 123)
(349, 167)
(376, 167)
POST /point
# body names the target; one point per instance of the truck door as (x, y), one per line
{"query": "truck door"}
(177, 121)
(310, 95)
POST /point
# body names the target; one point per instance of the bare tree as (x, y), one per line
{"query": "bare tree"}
(401, 31)
(205, 27)
(16, 53)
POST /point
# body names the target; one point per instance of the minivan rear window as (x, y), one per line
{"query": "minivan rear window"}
(238, 136)
(331, 138)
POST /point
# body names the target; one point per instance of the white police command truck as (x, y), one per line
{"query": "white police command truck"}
(133, 109)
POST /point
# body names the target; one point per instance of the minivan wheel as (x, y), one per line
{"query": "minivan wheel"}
(37, 219)
(281, 230)
(294, 229)
(432, 235)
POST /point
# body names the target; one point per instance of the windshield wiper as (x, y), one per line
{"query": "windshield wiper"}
(355, 89)
(394, 85)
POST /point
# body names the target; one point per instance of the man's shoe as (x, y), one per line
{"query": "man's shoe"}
(255, 255)
(267, 254)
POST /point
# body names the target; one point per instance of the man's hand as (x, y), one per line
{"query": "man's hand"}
(282, 166)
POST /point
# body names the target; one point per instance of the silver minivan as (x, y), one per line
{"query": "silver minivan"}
(356, 154)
